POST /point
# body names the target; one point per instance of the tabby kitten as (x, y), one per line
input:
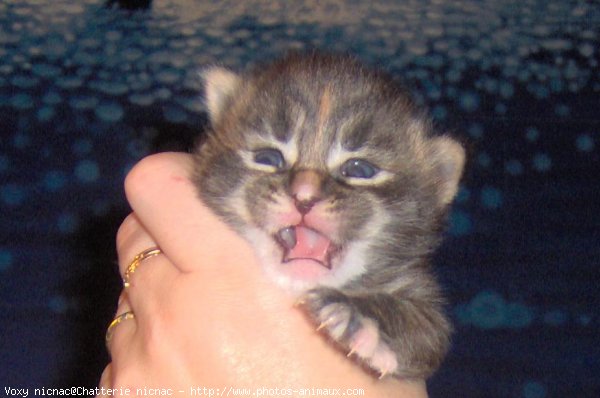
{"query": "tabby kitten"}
(332, 174)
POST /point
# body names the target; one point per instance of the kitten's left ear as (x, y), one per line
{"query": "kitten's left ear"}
(219, 86)
(449, 159)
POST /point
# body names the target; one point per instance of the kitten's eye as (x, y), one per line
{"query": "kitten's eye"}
(358, 168)
(269, 157)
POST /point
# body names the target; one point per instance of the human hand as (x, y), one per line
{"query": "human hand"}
(205, 315)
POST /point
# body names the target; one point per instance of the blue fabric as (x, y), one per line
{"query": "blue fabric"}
(86, 90)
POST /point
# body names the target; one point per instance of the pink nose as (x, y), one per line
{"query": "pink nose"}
(306, 189)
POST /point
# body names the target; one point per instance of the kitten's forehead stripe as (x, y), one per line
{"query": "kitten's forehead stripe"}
(324, 113)
(316, 134)
(319, 135)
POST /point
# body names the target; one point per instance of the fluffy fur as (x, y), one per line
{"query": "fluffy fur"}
(373, 293)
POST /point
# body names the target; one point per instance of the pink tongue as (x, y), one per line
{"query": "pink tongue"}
(309, 245)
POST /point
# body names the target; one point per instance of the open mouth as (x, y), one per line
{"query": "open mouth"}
(303, 243)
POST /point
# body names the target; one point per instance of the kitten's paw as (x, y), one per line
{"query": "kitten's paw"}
(365, 340)
(384, 361)
(359, 334)
(367, 345)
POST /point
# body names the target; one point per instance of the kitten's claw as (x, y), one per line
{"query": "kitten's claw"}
(321, 326)
(300, 302)
(336, 318)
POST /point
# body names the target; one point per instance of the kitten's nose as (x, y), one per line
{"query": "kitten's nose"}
(306, 189)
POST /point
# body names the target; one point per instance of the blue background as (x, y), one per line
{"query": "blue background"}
(87, 89)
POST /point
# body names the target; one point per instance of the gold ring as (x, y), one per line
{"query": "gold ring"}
(153, 251)
(118, 319)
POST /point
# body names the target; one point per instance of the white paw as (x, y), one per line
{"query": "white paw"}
(384, 361)
(367, 345)
(364, 342)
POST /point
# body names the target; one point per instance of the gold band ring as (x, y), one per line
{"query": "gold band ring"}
(118, 319)
(153, 251)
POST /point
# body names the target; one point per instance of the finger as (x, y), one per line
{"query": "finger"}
(132, 239)
(144, 272)
(161, 193)
(104, 382)
(121, 328)
(137, 253)
(124, 304)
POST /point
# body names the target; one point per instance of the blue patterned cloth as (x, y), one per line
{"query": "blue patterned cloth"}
(87, 89)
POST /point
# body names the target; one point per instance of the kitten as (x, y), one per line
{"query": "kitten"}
(334, 177)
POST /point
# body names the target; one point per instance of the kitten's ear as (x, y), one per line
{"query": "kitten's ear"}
(449, 158)
(219, 86)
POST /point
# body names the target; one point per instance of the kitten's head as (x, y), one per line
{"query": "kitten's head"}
(325, 167)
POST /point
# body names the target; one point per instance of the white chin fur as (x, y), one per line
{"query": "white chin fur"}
(345, 267)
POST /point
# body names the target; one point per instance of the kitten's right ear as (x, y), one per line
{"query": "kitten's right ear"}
(449, 160)
(219, 86)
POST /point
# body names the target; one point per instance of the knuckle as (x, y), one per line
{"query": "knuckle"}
(126, 231)
(155, 337)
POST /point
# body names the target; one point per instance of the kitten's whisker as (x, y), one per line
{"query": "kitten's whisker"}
(352, 351)
(383, 374)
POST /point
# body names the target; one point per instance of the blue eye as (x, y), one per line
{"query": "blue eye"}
(358, 168)
(269, 157)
